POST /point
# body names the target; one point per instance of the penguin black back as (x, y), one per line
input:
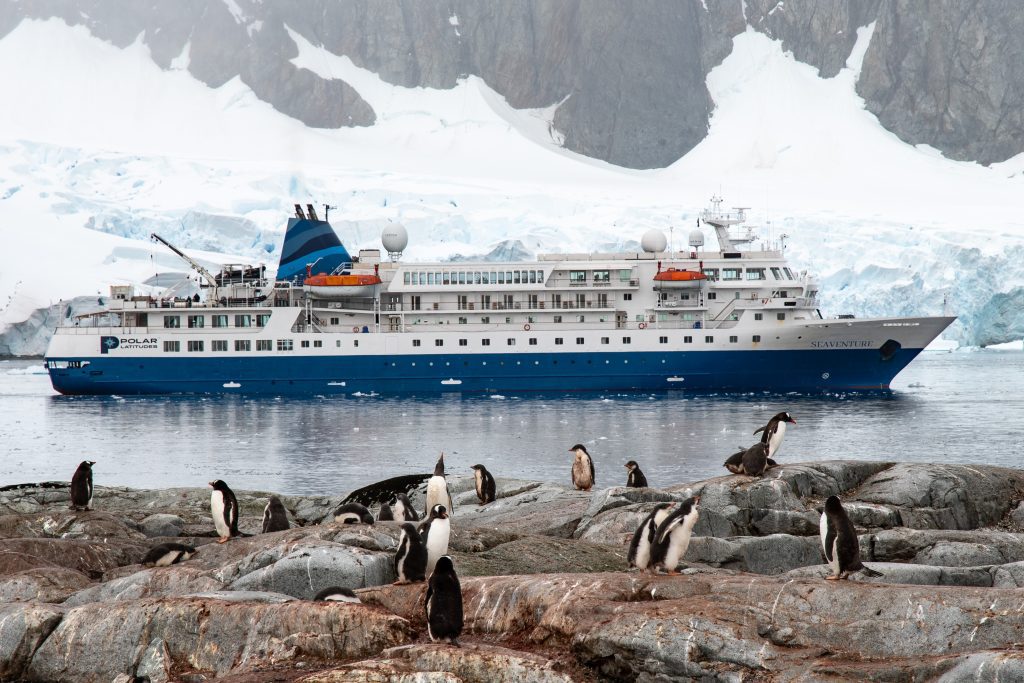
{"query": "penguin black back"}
(485, 486)
(839, 541)
(635, 478)
(275, 516)
(639, 554)
(167, 554)
(352, 513)
(755, 459)
(385, 514)
(224, 507)
(443, 603)
(81, 486)
(336, 594)
(411, 557)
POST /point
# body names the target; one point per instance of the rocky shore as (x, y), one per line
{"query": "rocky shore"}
(545, 589)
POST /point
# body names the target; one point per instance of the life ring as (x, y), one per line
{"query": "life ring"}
(642, 326)
(526, 327)
(355, 328)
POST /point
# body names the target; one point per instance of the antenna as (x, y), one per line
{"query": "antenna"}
(327, 212)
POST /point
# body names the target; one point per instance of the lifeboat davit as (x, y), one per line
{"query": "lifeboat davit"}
(678, 279)
(325, 286)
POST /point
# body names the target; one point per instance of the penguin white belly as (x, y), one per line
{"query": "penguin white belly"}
(478, 478)
(643, 550)
(437, 493)
(834, 562)
(217, 509)
(348, 518)
(775, 441)
(437, 542)
(679, 541)
(398, 510)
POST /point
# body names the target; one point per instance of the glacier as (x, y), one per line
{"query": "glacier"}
(105, 149)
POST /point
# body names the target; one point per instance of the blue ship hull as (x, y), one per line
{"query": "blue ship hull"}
(802, 371)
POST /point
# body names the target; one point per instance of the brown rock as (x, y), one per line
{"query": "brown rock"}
(91, 558)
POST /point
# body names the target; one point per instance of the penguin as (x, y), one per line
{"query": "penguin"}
(385, 514)
(166, 554)
(443, 603)
(640, 547)
(275, 517)
(839, 542)
(352, 513)
(435, 531)
(673, 535)
(582, 468)
(224, 507)
(437, 488)
(775, 431)
(411, 558)
(735, 462)
(337, 594)
(81, 486)
(485, 487)
(403, 509)
(635, 478)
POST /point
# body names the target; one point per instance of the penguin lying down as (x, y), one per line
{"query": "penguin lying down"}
(752, 461)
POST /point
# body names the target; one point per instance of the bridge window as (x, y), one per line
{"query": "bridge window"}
(755, 274)
(172, 321)
(196, 321)
(285, 345)
(730, 273)
(246, 321)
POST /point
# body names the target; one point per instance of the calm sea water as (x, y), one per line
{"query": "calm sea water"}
(946, 407)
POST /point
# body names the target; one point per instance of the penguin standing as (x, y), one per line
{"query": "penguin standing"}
(224, 508)
(435, 531)
(385, 514)
(673, 535)
(775, 431)
(403, 509)
(635, 478)
(839, 542)
(337, 594)
(275, 517)
(437, 488)
(582, 468)
(81, 486)
(485, 487)
(166, 554)
(443, 603)
(352, 513)
(643, 538)
(411, 558)
(751, 461)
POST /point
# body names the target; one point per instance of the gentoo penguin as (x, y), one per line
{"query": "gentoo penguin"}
(336, 594)
(635, 478)
(751, 461)
(411, 558)
(403, 509)
(81, 486)
(839, 542)
(434, 531)
(735, 462)
(640, 547)
(385, 514)
(275, 517)
(437, 488)
(443, 603)
(582, 468)
(485, 489)
(166, 554)
(775, 431)
(673, 535)
(353, 513)
(224, 508)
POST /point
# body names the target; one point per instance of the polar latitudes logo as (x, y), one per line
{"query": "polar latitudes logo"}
(107, 343)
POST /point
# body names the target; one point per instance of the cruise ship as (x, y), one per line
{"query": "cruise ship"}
(735, 317)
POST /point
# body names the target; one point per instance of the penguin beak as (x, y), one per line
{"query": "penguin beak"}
(696, 500)
(210, 484)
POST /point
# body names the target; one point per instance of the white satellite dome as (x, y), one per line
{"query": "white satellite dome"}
(395, 238)
(696, 238)
(653, 241)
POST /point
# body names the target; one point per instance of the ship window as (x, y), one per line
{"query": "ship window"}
(533, 277)
(789, 273)
(485, 342)
(463, 342)
(627, 340)
(533, 341)
(264, 345)
(406, 277)
(463, 320)
(579, 340)
(577, 276)
(627, 296)
(756, 338)
(355, 342)
(737, 295)
(558, 318)
(604, 340)
(712, 296)
(172, 346)
(663, 340)
(172, 321)
(780, 316)
(783, 294)
(486, 278)
(515, 276)
(485, 319)
(462, 278)
(508, 277)
(730, 273)
(196, 321)
(335, 321)
(430, 278)
(195, 345)
(709, 339)
(776, 273)
(687, 340)
(733, 339)
(285, 345)
(304, 343)
(558, 341)
(755, 274)
(219, 321)
(219, 345)
(581, 318)
(511, 341)
(711, 273)
(243, 345)
(262, 319)
(439, 342)
(414, 303)
(759, 316)
(246, 321)
(437, 278)
(602, 276)
(501, 277)
(476, 278)
(415, 342)
(446, 278)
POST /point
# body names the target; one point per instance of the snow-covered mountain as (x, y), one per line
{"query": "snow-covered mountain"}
(99, 147)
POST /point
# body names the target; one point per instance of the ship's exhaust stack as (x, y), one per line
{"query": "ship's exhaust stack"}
(298, 212)
(309, 240)
(311, 212)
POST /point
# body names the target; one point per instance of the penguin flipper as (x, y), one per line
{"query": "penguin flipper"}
(666, 528)
(760, 429)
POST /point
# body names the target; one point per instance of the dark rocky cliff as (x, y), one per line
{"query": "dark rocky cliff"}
(629, 77)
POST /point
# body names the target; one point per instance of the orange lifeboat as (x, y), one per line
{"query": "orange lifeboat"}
(326, 286)
(676, 279)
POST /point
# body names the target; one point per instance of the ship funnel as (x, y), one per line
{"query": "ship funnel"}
(308, 240)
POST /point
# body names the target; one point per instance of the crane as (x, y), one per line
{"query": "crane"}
(192, 262)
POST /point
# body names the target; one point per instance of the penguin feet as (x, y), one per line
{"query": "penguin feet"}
(400, 583)
(832, 578)
(223, 539)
